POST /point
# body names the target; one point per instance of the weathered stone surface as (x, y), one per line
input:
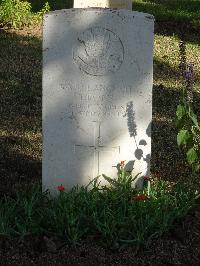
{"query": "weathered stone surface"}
(118, 4)
(97, 94)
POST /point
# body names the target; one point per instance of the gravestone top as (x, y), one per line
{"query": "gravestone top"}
(118, 4)
(96, 10)
(97, 94)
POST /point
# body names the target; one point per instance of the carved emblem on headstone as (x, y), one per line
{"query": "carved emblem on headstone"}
(99, 51)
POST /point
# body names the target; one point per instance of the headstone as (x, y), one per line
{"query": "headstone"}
(118, 4)
(97, 94)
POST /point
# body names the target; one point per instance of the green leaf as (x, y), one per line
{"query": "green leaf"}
(194, 119)
(197, 167)
(180, 112)
(183, 137)
(192, 155)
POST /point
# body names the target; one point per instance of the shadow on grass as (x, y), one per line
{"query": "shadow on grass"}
(175, 17)
(20, 103)
(184, 30)
(169, 9)
(167, 159)
(169, 74)
(168, 15)
(17, 171)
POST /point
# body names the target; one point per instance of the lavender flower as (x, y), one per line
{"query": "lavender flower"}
(188, 76)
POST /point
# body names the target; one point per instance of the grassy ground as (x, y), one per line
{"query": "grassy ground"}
(170, 9)
(162, 9)
(20, 120)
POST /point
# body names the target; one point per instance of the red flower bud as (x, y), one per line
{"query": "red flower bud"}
(141, 197)
(122, 163)
(61, 188)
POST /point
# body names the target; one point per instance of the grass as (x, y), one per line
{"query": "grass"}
(20, 120)
(170, 9)
(161, 9)
(167, 61)
(113, 215)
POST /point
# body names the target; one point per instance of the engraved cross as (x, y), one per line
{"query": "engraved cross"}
(97, 146)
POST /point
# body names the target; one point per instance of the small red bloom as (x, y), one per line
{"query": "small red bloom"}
(61, 188)
(141, 197)
(122, 163)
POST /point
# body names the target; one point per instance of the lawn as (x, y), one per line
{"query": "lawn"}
(21, 129)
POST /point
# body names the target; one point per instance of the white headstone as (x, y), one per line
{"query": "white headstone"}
(97, 94)
(118, 4)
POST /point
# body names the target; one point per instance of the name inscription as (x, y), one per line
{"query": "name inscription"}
(95, 101)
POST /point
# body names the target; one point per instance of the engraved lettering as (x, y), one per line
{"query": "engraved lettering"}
(95, 101)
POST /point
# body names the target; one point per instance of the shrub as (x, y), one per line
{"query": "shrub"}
(17, 13)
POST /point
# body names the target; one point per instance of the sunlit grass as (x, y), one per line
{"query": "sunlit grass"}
(167, 60)
(169, 9)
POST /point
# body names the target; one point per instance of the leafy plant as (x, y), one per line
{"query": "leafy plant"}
(114, 215)
(37, 17)
(29, 211)
(187, 122)
(17, 13)
(7, 213)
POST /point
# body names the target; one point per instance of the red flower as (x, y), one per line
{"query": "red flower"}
(141, 197)
(61, 188)
(146, 178)
(122, 163)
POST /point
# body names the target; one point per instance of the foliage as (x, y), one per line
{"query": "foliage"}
(54, 5)
(21, 216)
(187, 121)
(189, 133)
(114, 215)
(17, 13)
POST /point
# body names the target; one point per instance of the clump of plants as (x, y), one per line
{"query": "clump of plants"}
(113, 215)
(188, 124)
(17, 13)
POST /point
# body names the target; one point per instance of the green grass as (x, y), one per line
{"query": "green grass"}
(167, 61)
(112, 215)
(169, 9)
(161, 9)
